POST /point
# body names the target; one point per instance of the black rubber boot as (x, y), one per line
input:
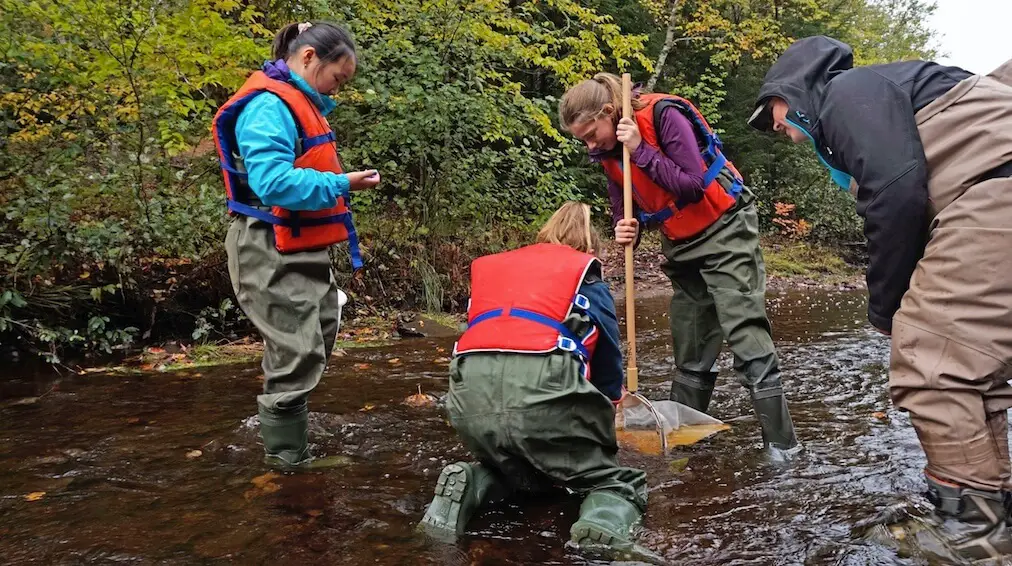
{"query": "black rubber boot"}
(967, 526)
(286, 441)
(693, 388)
(605, 529)
(461, 490)
(777, 427)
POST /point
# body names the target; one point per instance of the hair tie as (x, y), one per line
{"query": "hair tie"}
(304, 26)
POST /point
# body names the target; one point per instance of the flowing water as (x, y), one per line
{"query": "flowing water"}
(105, 468)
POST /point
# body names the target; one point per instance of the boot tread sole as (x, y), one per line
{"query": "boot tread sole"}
(444, 511)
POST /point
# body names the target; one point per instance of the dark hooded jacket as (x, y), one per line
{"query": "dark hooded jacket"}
(862, 124)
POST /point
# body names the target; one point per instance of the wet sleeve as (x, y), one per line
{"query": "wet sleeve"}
(266, 133)
(868, 121)
(677, 166)
(606, 363)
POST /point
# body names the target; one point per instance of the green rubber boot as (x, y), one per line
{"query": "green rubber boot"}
(460, 490)
(605, 529)
(693, 388)
(777, 428)
(967, 526)
(286, 441)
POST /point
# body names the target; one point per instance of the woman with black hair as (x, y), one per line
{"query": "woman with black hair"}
(288, 197)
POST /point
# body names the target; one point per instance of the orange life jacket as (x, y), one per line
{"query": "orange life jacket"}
(657, 204)
(520, 299)
(294, 231)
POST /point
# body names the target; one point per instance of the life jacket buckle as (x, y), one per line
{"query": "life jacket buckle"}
(566, 344)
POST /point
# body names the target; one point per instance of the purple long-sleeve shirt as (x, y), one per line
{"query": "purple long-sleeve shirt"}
(676, 167)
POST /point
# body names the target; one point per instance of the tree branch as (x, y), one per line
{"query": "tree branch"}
(669, 42)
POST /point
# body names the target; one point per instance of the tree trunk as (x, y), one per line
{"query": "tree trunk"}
(669, 42)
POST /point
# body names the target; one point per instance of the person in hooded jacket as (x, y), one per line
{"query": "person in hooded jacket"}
(927, 151)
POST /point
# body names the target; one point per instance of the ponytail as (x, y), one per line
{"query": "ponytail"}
(331, 41)
(587, 100)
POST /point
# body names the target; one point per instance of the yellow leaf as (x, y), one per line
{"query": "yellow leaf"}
(262, 485)
(261, 481)
(34, 496)
(85, 275)
(194, 454)
(367, 407)
(394, 361)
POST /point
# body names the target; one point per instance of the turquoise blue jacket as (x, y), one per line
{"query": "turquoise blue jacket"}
(265, 132)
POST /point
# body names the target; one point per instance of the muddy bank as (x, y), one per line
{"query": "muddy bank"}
(789, 266)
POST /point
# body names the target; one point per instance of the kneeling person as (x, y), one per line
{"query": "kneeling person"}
(533, 386)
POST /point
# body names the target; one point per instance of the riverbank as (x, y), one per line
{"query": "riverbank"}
(790, 266)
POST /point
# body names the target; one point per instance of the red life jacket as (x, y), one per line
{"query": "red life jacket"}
(657, 204)
(294, 231)
(519, 300)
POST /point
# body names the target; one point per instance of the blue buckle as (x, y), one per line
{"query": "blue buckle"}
(566, 344)
(581, 302)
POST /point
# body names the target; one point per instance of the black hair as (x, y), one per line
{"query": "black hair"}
(331, 41)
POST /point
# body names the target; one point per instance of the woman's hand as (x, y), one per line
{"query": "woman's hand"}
(628, 133)
(626, 230)
(361, 180)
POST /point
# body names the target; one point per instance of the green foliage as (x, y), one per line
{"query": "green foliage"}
(220, 321)
(111, 213)
(457, 102)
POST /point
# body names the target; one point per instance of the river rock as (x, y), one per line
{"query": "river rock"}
(415, 325)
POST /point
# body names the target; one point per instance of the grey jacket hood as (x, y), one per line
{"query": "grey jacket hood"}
(800, 77)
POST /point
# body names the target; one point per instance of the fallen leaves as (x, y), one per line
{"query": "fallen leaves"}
(394, 361)
(880, 415)
(35, 496)
(441, 361)
(367, 407)
(194, 454)
(362, 366)
(262, 485)
(678, 466)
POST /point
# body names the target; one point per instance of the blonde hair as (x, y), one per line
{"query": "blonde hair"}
(588, 100)
(570, 226)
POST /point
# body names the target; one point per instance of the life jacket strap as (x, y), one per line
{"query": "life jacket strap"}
(567, 341)
(295, 223)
